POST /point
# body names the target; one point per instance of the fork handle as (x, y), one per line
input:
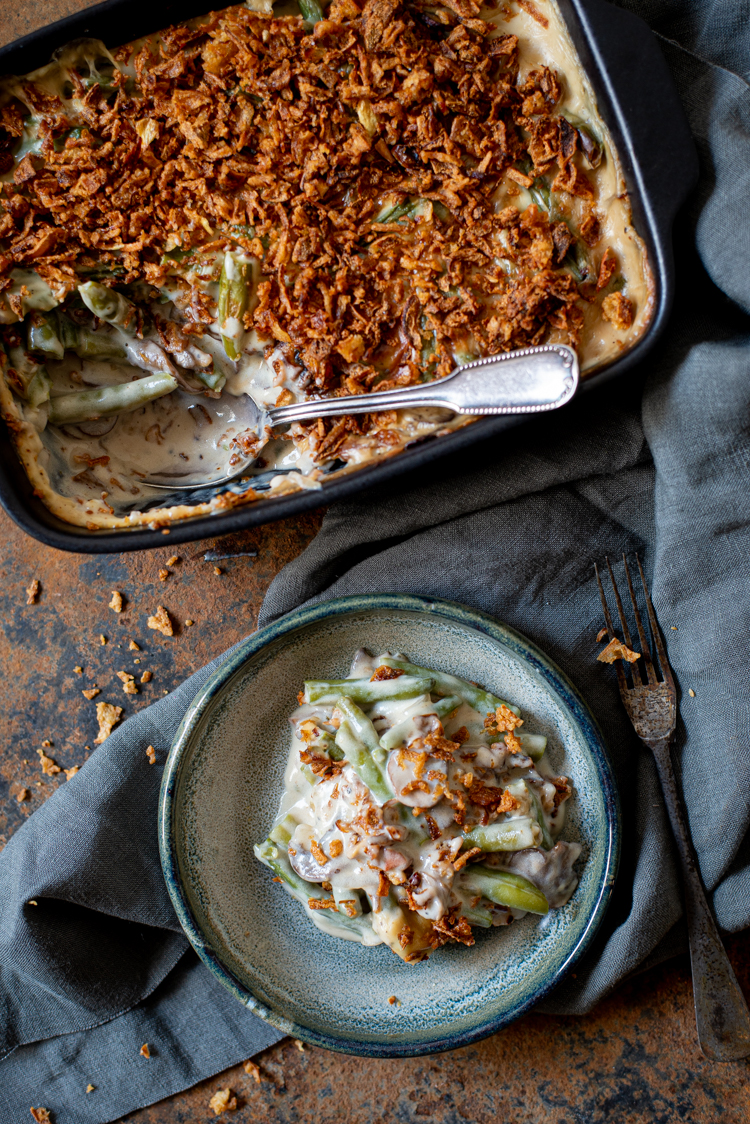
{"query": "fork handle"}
(721, 1013)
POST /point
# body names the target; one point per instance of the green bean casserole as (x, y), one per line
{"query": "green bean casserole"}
(288, 204)
(415, 809)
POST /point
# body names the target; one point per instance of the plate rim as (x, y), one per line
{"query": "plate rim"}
(300, 618)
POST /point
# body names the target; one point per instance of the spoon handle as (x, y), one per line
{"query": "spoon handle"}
(527, 381)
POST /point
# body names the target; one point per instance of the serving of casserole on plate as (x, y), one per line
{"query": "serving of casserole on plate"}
(225, 777)
(258, 203)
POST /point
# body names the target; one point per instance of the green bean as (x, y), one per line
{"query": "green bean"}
(283, 831)
(237, 274)
(42, 336)
(361, 760)
(85, 405)
(277, 860)
(310, 10)
(348, 901)
(540, 194)
(360, 723)
(477, 915)
(308, 774)
(59, 334)
(533, 745)
(68, 332)
(521, 788)
(401, 210)
(32, 382)
(444, 707)
(38, 390)
(508, 835)
(504, 888)
(577, 261)
(97, 345)
(476, 697)
(398, 734)
(367, 691)
(211, 379)
(110, 306)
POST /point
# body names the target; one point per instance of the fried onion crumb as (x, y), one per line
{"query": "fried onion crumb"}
(151, 754)
(616, 650)
(48, 765)
(32, 593)
(252, 1070)
(107, 715)
(116, 604)
(161, 622)
(128, 682)
(223, 1101)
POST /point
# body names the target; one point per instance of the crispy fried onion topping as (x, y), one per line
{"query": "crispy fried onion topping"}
(360, 164)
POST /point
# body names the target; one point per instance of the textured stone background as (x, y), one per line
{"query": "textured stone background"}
(634, 1060)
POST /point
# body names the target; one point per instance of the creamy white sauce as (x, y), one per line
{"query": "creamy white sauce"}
(324, 817)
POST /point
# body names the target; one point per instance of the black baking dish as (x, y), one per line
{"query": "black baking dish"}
(630, 77)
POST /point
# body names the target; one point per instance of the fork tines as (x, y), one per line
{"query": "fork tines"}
(646, 650)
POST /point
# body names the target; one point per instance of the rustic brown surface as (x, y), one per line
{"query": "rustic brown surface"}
(634, 1060)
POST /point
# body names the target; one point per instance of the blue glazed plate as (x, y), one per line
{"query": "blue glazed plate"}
(221, 787)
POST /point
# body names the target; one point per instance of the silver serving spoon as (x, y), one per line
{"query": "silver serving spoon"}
(527, 381)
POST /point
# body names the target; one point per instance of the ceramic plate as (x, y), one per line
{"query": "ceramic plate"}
(221, 788)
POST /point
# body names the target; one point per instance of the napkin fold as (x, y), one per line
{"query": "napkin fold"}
(657, 463)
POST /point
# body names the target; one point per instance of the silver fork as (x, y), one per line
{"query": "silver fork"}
(721, 1013)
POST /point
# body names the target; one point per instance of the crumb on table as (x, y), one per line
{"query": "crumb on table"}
(151, 754)
(91, 692)
(49, 766)
(107, 716)
(223, 1101)
(147, 677)
(128, 682)
(252, 1070)
(133, 646)
(116, 602)
(144, 1051)
(32, 593)
(160, 622)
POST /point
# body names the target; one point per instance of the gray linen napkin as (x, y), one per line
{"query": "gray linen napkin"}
(99, 965)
